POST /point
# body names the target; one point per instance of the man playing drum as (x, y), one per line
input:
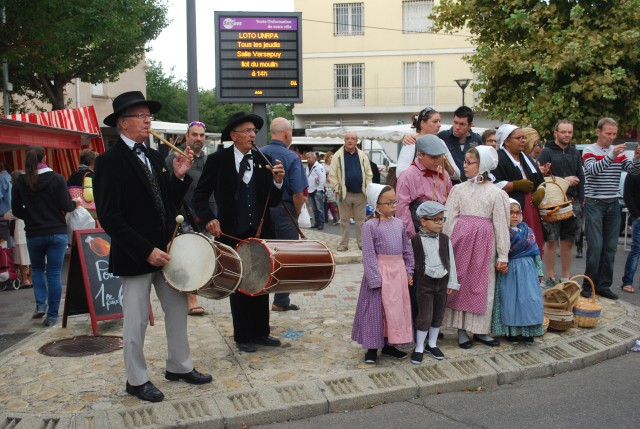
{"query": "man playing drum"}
(243, 185)
(137, 200)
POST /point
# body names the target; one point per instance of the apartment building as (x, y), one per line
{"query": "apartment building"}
(375, 62)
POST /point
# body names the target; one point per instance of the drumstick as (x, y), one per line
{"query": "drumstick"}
(156, 135)
(179, 220)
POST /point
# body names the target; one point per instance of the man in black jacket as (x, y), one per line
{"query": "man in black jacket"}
(243, 184)
(632, 201)
(137, 199)
(565, 162)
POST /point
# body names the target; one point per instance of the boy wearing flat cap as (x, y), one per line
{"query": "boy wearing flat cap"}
(434, 275)
(424, 180)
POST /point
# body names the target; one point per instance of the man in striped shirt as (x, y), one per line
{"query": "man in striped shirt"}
(603, 163)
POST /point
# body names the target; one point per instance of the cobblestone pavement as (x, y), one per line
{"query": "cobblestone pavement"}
(317, 370)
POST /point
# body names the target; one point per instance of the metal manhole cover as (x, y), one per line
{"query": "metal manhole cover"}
(83, 345)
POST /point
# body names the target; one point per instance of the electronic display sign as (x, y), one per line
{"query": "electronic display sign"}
(258, 57)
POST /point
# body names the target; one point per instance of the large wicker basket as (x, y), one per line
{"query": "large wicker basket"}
(545, 325)
(555, 206)
(587, 312)
(562, 296)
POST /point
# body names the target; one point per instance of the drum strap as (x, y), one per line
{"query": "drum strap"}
(293, 221)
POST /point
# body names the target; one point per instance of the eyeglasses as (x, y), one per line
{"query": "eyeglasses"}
(515, 212)
(390, 203)
(197, 124)
(467, 163)
(142, 116)
(247, 131)
(519, 138)
(436, 219)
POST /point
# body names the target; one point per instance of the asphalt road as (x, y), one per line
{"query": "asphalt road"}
(600, 396)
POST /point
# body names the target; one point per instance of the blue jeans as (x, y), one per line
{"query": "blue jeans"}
(316, 200)
(631, 265)
(602, 227)
(47, 256)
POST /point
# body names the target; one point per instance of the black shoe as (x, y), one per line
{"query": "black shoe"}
(290, 307)
(146, 392)
(320, 227)
(193, 377)
(579, 253)
(268, 341)
(490, 343)
(435, 352)
(371, 356)
(527, 340)
(391, 351)
(247, 347)
(314, 226)
(585, 293)
(416, 358)
(606, 293)
(466, 345)
(511, 339)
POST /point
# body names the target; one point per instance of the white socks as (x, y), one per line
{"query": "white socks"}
(421, 336)
(433, 336)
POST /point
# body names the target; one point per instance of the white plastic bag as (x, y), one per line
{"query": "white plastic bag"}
(80, 218)
(304, 220)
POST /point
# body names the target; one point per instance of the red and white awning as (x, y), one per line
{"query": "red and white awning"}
(61, 132)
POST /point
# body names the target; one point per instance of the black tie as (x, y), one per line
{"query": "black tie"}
(140, 148)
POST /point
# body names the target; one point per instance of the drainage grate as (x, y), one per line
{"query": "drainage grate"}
(83, 345)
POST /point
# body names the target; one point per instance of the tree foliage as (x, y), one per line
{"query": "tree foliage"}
(540, 61)
(48, 43)
(170, 91)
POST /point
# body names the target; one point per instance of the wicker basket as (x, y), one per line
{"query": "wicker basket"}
(545, 325)
(587, 312)
(555, 206)
(559, 320)
(562, 296)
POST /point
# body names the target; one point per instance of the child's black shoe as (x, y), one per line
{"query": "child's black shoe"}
(435, 352)
(371, 356)
(391, 351)
(416, 358)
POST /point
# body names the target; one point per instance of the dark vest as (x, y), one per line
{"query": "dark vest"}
(418, 252)
(247, 206)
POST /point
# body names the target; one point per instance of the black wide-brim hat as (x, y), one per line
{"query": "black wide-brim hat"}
(129, 99)
(240, 118)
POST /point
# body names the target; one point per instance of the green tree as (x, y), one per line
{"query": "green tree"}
(169, 91)
(48, 43)
(539, 61)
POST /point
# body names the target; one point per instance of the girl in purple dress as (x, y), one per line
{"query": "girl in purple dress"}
(383, 313)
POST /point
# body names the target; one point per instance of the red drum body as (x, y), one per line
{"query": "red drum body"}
(271, 266)
(202, 266)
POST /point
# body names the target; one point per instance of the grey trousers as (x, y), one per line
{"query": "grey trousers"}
(135, 306)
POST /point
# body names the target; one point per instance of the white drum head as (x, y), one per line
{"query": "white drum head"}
(193, 263)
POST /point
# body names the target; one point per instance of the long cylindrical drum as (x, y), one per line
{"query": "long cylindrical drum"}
(271, 266)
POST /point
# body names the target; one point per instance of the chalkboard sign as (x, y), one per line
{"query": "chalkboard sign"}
(91, 288)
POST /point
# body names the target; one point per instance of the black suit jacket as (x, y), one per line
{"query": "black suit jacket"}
(126, 211)
(220, 178)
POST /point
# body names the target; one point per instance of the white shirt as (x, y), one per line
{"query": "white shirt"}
(246, 178)
(317, 177)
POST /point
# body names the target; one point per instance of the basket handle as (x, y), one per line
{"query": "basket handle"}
(561, 190)
(593, 287)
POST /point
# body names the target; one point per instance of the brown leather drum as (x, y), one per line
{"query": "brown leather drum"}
(272, 266)
(202, 266)
(227, 273)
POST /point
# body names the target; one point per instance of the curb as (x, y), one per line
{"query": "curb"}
(362, 389)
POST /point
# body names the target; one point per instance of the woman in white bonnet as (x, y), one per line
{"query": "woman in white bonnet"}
(478, 224)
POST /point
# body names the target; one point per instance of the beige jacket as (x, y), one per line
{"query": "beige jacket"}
(336, 174)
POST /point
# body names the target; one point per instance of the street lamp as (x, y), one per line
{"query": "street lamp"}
(463, 83)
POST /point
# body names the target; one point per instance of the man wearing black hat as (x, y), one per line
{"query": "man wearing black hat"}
(137, 199)
(242, 184)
